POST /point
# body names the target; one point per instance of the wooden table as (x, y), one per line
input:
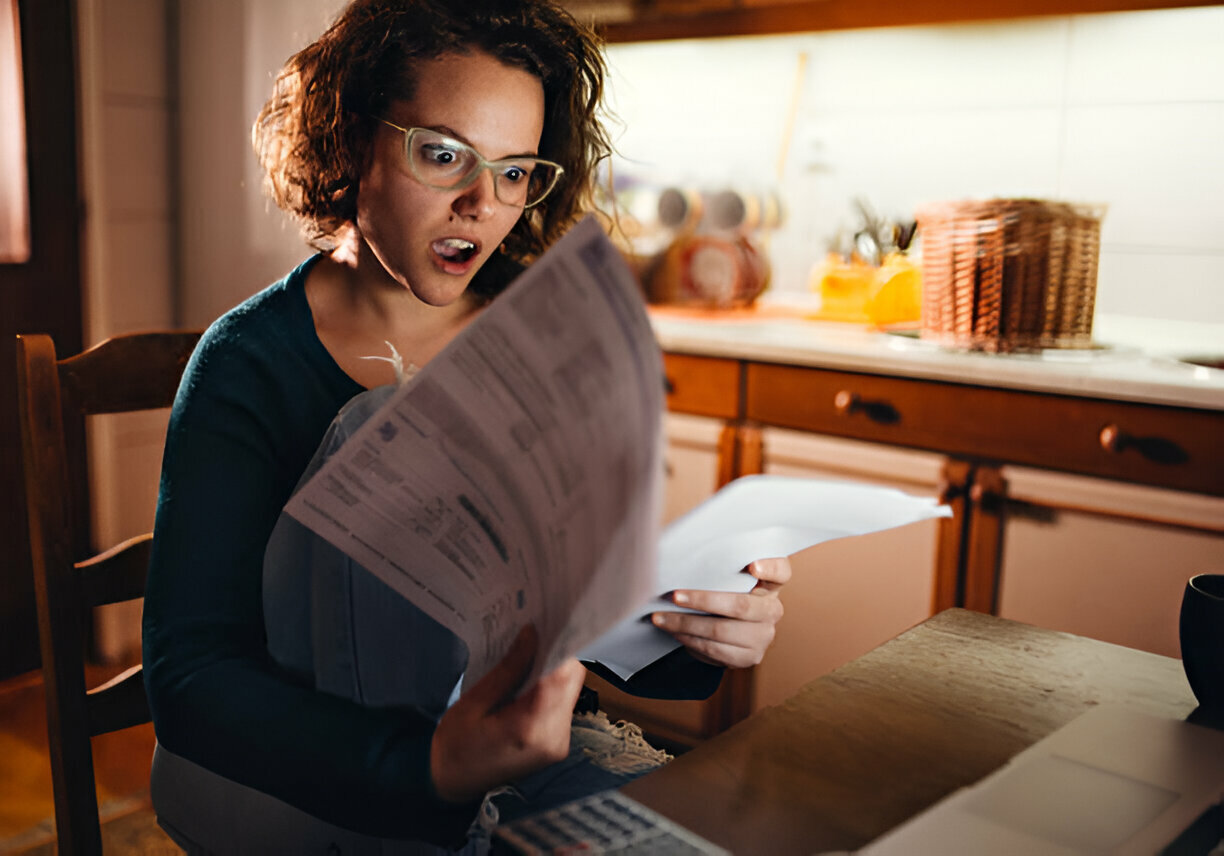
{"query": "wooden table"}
(862, 749)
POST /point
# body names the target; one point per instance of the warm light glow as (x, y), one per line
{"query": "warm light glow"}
(14, 208)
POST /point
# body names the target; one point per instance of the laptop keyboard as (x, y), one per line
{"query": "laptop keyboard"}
(608, 823)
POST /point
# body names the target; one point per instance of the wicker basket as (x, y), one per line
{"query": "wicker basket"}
(1009, 274)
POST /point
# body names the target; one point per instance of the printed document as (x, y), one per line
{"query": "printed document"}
(753, 517)
(517, 479)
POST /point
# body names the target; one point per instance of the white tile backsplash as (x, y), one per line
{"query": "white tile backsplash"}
(1138, 57)
(1176, 286)
(1125, 109)
(719, 122)
(902, 159)
(1012, 64)
(1160, 168)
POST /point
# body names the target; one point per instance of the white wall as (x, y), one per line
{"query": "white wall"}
(233, 241)
(1126, 109)
(127, 106)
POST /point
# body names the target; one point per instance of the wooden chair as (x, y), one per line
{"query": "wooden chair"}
(131, 372)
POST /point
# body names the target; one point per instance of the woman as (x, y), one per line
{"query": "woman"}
(431, 149)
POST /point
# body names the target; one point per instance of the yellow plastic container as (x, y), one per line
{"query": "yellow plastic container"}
(896, 297)
(844, 289)
(854, 292)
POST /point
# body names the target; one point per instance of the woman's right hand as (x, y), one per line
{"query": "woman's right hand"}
(488, 737)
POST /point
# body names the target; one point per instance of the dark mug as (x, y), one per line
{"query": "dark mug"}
(1202, 638)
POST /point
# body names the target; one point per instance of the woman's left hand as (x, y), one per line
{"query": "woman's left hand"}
(739, 627)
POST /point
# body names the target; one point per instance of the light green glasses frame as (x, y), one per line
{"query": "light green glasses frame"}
(444, 163)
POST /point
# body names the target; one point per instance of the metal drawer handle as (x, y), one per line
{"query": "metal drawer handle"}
(848, 403)
(1159, 450)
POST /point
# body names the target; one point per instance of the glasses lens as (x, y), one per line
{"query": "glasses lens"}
(438, 160)
(444, 162)
(524, 181)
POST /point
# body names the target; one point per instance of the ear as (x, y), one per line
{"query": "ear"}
(348, 242)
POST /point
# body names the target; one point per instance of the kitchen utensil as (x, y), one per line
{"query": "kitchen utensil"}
(868, 248)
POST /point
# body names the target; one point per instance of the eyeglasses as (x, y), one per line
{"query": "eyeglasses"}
(445, 163)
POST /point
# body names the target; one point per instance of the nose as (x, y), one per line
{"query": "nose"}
(478, 200)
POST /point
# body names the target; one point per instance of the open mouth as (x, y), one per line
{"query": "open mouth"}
(455, 250)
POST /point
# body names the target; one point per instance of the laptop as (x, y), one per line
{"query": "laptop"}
(1112, 781)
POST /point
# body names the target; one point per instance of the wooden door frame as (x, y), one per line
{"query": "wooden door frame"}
(41, 295)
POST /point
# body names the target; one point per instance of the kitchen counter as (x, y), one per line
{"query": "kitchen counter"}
(1137, 359)
(1066, 471)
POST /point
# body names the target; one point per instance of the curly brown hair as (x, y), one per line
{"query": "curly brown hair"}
(314, 135)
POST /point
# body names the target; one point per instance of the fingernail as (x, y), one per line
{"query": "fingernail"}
(659, 619)
(680, 597)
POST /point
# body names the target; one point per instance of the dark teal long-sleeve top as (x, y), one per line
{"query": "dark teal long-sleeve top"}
(256, 399)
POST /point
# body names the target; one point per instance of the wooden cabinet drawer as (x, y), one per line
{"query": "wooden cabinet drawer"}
(1173, 447)
(703, 386)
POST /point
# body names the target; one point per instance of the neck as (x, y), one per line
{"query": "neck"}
(380, 300)
(358, 307)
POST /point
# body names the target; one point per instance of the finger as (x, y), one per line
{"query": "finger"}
(501, 682)
(552, 690)
(758, 605)
(720, 653)
(742, 634)
(565, 678)
(540, 718)
(772, 573)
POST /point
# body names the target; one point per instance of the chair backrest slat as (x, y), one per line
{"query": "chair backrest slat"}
(120, 703)
(116, 575)
(133, 372)
(151, 362)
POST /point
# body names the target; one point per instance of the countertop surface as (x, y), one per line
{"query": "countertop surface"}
(1135, 359)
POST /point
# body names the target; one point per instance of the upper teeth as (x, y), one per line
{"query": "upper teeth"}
(457, 244)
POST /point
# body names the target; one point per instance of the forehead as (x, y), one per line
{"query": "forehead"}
(497, 108)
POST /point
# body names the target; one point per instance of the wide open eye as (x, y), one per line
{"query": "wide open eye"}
(440, 160)
(438, 154)
(525, 182)
(516, 173)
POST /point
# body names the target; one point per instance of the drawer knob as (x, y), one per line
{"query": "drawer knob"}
(1158, 450)
(847, 403)
(1113, 439)
(987, 498)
